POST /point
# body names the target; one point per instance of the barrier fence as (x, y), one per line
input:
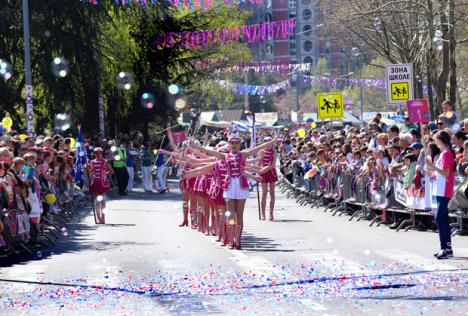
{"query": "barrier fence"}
(20, 234)
(361, 198)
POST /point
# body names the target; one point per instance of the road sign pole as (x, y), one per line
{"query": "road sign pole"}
(362, 104)
(27, 70)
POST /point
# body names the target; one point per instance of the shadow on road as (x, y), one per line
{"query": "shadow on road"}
(293, 221)
(253, 243)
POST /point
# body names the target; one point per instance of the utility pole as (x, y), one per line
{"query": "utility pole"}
(27, 70)
(246, 95)
(299, 58)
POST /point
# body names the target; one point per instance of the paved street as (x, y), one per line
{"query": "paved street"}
(305, 262)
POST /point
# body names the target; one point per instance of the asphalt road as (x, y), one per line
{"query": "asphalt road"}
(305, 262)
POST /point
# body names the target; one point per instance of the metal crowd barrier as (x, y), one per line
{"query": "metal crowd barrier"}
(342, 193)
(21, 235)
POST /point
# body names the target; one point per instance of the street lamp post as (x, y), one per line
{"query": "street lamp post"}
(298, 60)
(299, 80)
(27, 69)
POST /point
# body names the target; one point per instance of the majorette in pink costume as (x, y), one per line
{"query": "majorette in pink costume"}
(218, 183)
(267, 160)
(99, 182)
(236, 186)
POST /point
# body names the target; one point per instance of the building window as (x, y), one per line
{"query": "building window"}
(306, 14)
(269, 49)
(292, 3)
(307, 30)
(306, 2)
(268, 17)
(308, 60)
(307, 46)
(292, 48)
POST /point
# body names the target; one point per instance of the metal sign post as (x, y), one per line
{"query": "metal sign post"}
(27, 70)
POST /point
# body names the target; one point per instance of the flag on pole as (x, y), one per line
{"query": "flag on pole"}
(80, 159)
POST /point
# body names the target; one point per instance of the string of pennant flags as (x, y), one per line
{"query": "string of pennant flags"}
(326, 81)
(281, 67)
(372, 83)
(209, 38)
(254, 90)
(188, 4)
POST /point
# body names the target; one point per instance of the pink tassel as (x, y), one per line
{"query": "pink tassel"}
(170, 40)
(204, 34)
(255, 33)
(197, 41)
(213, 38)
(270, 30)
(284, 31)
(263, 28)
(187, 38)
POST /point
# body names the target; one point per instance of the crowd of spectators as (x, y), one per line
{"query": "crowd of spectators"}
(430, 160)
(40, 176)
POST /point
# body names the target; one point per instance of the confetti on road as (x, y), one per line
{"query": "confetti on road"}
(163, 293)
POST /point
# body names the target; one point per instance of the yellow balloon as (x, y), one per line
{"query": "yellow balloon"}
(313, 125)
(7, 122)
(301, 132)
(155, 151)
(72, 142)
(22, 137)
(50, 198)
(449, 114)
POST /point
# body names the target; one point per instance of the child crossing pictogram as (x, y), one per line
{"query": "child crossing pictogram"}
(330, 105)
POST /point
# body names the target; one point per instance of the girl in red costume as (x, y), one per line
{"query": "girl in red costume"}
(99, 170)
(268, 160)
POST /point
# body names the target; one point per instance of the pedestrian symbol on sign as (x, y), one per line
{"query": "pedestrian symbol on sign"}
(400, 91)
(327, 105)
(330, 105)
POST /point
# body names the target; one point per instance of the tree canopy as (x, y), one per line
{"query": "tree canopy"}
(99, 41)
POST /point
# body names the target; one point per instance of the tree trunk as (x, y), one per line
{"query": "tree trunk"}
(452, 62)
(444, 73)
(430, 61)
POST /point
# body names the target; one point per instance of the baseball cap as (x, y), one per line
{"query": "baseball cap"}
(415, 145)
(415, 132)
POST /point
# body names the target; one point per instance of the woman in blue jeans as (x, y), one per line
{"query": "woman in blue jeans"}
(444, 172)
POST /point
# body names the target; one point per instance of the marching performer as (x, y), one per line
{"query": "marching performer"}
(99, 170)
(268, 159)
(236, 187)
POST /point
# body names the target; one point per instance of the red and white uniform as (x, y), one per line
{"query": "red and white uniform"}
(267, 160)
(217, 184)
(236, 186)
(202, 184)
(184, 183)
(99, 182)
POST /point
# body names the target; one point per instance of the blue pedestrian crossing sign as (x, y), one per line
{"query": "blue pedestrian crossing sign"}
(330, 106)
